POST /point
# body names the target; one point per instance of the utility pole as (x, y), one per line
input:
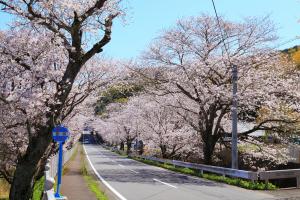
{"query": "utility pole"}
(234, 149)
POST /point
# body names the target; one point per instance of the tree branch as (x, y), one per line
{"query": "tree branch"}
(97, 48)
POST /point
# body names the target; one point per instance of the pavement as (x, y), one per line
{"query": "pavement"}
(73, 184)
(132, 180)
(286, 194)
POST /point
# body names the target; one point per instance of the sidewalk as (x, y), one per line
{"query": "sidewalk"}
(73, 183)
(286, 194)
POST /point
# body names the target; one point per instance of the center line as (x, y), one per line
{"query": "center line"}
(164, 183)
(133, 171)
(128, 169)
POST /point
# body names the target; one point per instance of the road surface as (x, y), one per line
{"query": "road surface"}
(132, 180)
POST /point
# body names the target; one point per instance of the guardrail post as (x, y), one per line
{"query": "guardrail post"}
(266, 181)
(201, 172)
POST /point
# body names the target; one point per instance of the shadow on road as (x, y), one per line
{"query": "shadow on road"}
(107, 163)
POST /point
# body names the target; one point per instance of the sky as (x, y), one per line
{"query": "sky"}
(147, 18)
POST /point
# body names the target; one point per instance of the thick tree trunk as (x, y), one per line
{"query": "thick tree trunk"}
(28, 164)
(163, 150)
(209, 144)
(208, 154)
(122, 146)
(128, 143)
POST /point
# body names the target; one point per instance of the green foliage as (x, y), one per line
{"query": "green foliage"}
(93, 187)
(243, 148)
(294, 54)
(116, 94)
(291, 50)
(214, 177)
(38, 189)
(240, 182)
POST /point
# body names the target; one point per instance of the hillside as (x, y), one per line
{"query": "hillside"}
(294, 54)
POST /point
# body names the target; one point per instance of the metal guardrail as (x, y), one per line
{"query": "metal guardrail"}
(253, 176)
(208, 168)
(54, 159)
(51, 171)
(279, 174)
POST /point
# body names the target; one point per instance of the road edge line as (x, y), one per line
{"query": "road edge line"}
(102, 179)
(168, 184)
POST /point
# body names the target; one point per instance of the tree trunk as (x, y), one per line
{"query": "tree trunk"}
(208, 154)
(128, 143)
(28, 164)
(122, 146)
(209, 143)
(163, 149)
(141, 147)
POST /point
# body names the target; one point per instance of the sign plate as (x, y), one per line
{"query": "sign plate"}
(60, 133)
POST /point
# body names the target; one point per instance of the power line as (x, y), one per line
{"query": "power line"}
(234, 150)
(221, 31)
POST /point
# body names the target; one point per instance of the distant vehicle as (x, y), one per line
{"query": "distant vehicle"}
(86, 141)
(115, 149)
(295, 140)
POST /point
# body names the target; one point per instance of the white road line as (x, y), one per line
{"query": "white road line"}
(118, 164)
(134, 171)
(102, 180)
(164, 183)
(128, 169)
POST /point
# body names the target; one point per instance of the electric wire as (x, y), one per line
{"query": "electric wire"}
(221, 31)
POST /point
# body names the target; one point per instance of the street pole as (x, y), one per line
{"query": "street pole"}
(60, 134)
(59, 173)
(234, 149)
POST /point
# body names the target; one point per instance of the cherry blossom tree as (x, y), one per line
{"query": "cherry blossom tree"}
(41, 58)
(143, 118)
(127, 123)
(193, 68)
(161, 126)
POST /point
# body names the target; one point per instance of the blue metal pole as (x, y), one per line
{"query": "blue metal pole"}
(59, 171)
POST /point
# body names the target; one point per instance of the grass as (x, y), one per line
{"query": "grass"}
(75, 152)
(92, 183)
(38, 189)
(214, 177)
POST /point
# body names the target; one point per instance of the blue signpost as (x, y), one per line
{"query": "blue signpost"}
(60, 134)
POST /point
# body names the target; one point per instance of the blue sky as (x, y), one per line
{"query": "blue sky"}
(147, 18)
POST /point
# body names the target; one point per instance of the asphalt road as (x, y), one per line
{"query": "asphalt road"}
(132, 180)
